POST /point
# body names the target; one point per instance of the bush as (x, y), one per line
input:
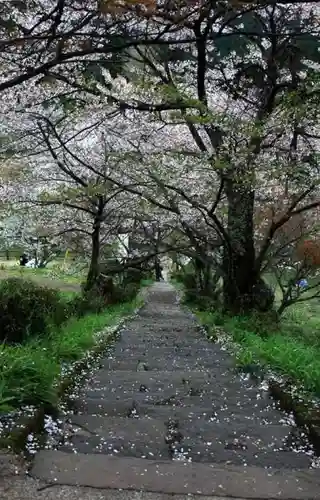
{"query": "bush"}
(86, 303)
(133, 275)
(201, 299)
(27, 310)
(126, 293)
(29, 373)
(263, 324)
(103, 294)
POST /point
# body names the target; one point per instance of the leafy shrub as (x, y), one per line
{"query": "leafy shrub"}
(133, 275)
(263, 324)
(126, 293)
(103, 294)
(200, 299)
(27, 310)
(86, 303)
(27, 374)
(189, 281)
(177, 275)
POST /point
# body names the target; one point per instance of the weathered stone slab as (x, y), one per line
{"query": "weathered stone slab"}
(107, 472)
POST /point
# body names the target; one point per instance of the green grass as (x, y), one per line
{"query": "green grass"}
(291, 347)
(55, 271)
(28, 373)
(302, 321)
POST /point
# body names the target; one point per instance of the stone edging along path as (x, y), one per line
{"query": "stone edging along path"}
(167, 413)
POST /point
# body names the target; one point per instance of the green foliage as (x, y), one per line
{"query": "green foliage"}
(191, 293)
(133, 275)
(177, 275)
(262, 340)
(29, 372)
(127, 292)
(146, 282)
(302, 322)
(106, 293)
(27, 310)
(292, 358)
(262, 323)
(202, 300)
(85, 303)
(188, 279)
(27, 375)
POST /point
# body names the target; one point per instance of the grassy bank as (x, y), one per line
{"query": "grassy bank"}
(291, 348)
(56, 273)
(29, 373)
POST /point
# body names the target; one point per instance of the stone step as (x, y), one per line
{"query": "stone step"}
(229, 414)
(169, 398)
(232, 444)
(165, 341)
(229, 394)
(154, 359)
(157, 381)
(192, 451)
(170, 363)
(122, 473)
(160, 377)
(160, 347)
(152, 430)
(157, 314)
(180, 322)
(202, 442)
(169, 351)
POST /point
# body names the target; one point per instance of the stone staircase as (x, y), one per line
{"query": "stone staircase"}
(168, 413)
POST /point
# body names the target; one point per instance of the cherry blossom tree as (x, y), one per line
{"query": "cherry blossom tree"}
(215, 110)
(253, 71)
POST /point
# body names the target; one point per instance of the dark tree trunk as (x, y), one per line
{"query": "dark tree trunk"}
(239, 260)
(243, 288)
(198, 268)
(94, 268)
(7, 254)
(93, 272)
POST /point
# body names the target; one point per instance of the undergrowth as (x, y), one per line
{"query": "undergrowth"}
(28, 372)
(290, 347)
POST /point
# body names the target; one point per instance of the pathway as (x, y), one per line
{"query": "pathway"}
(167, 413)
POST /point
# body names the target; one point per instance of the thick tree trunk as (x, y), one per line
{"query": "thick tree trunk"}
(94, 268)
(93, 272)
(243, 288)
(198, 267)
(239, 261)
